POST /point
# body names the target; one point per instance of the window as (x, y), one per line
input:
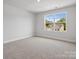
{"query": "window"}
(56, 22)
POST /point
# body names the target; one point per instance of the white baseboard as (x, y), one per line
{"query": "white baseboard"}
(17, 38)
(56, 38)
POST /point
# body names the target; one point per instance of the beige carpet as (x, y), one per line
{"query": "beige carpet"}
(39, 48)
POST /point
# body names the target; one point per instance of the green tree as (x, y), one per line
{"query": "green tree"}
(62, 20)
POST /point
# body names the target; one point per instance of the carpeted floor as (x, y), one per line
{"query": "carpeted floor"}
(39, 48)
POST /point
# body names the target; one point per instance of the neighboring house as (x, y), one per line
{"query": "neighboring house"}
(59, 27)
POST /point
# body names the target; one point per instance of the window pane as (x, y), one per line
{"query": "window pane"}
(49, 23)
(60, 22)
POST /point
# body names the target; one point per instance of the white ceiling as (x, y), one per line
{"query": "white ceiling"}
(43, 5)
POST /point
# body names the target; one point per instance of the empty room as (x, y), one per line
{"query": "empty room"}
(39, 29)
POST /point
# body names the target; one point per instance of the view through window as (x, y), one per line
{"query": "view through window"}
(56, 22)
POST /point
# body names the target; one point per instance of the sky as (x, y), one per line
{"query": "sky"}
(55, 17)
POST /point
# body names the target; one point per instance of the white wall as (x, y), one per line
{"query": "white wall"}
(17, 23)
(70, 35)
